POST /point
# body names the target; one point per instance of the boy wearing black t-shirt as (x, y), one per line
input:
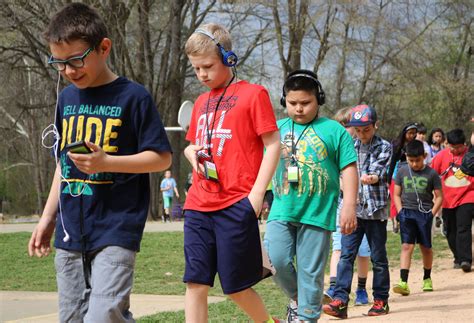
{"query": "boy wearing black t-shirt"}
(101, 198)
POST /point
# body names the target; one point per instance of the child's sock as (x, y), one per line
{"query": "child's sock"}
(361, 282)
(332, 281)
(427, 273)
(404, 275)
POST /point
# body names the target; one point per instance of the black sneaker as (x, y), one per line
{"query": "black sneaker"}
(456, 265)
(466, 266)
(379, 308)
(336, 308)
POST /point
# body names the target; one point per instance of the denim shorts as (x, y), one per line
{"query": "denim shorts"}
(226, 242)
(364, 249)
(415, 227)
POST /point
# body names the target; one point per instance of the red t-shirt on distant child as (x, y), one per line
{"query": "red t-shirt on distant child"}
(457, 190)
(244, 114)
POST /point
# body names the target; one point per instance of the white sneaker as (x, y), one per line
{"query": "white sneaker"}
(292, 312)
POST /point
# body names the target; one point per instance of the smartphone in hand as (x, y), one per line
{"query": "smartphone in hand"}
(78, 147)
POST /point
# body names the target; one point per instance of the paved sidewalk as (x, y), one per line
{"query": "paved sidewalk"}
(150, 226)
(42, 307)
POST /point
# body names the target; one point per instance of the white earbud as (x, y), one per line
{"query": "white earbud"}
(66, 236)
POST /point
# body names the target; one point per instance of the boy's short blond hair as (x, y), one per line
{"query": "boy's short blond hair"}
(198, 43)
(343, 115)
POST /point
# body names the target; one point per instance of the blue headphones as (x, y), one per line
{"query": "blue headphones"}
(229, 58)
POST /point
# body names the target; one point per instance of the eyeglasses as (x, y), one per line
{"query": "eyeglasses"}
(75, 62)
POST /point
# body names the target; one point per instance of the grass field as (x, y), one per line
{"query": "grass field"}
(159, 270)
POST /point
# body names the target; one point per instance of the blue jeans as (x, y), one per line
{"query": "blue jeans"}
(376, 232)
(310, 244)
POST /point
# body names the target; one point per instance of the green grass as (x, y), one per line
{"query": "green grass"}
(20, 272)
(159, 270)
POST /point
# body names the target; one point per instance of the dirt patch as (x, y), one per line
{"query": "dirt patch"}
(451, 301)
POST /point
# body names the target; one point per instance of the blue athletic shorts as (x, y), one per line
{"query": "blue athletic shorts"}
(226, 242)
(415, 227)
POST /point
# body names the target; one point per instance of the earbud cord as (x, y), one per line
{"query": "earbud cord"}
(52, 129)
(420, 204)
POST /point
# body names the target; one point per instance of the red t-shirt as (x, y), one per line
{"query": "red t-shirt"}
(457, 190)
(244, 114)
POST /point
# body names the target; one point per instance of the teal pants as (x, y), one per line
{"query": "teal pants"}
(299, 253)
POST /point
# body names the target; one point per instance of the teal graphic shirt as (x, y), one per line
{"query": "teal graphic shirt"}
(320, 150)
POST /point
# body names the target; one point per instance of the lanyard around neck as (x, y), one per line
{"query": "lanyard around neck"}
(209, 133)
(295, 144)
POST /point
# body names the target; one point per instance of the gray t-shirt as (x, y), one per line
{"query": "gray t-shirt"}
(422, 182)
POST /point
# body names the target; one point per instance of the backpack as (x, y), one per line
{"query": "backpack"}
(467, 164)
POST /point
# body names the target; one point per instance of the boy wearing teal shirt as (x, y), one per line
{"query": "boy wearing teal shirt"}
(314, 152)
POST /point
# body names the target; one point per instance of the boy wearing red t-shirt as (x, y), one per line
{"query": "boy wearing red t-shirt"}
(230, 127)
(458, 202)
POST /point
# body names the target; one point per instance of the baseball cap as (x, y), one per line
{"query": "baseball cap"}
(362, 115)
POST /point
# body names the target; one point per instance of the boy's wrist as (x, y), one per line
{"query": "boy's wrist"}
(258, 192)
(49, 217)
(349, 203)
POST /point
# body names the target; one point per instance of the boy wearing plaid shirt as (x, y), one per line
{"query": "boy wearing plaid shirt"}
(373, 158)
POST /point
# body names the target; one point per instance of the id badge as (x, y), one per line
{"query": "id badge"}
(210, 171)
(293, 173)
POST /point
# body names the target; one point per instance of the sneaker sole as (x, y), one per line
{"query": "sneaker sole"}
(376, 314)
(335, 314)
(360, 304)
(399, 290)
(428, 290)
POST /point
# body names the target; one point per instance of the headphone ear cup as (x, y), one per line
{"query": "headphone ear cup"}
(321, 98)
(229, 58)
(283, 96)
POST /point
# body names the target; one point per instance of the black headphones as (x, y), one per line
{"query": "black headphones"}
(320, 95)
(229, 58)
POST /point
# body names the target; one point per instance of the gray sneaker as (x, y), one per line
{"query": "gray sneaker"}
(292, 312)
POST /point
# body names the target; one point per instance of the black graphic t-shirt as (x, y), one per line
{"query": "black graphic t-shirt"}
(121, 118)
